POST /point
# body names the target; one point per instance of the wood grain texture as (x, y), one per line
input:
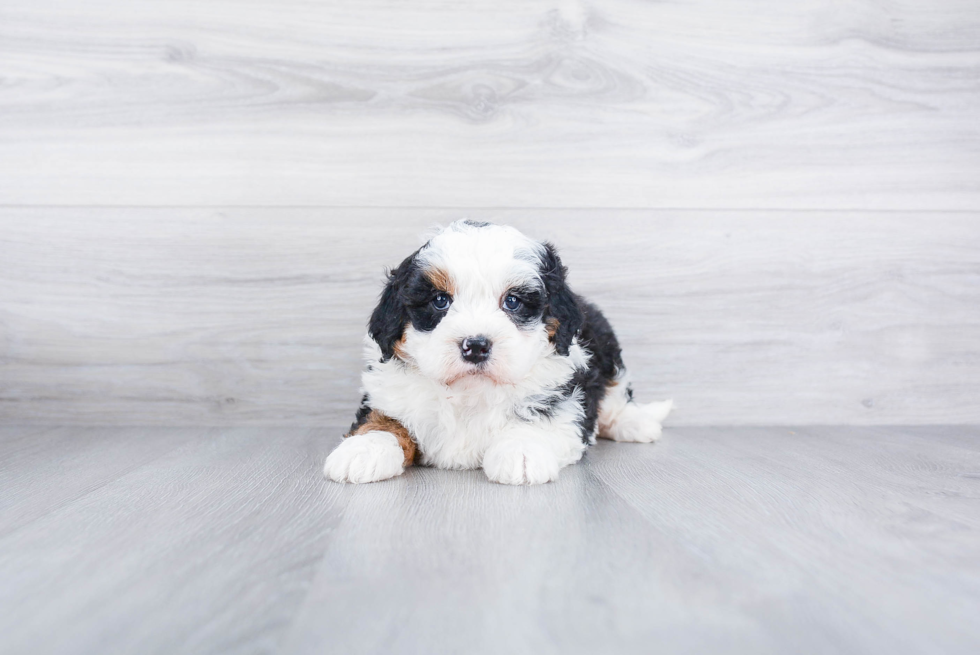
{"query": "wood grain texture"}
(255, 316)
(85, 459)
(722, 540)
(206, 549)
(553, 103)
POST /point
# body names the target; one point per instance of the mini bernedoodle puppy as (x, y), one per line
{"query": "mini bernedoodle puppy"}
(479, 355)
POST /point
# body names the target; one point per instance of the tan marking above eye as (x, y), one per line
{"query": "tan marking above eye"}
(440, 280)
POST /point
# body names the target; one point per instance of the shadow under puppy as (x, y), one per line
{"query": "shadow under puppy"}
(479, 355)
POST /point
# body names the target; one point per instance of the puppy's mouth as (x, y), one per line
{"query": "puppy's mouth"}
(478, 371)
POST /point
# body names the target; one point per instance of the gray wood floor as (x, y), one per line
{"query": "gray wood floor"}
(725, 540)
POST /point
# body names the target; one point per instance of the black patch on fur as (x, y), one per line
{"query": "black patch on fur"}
(607, 360)
(407, 296)
(544, 404)
(598, 338)
(472, 223)
(577, 318)
(529, 313)
(418, 296)
(562, 304)
(361, 417)
(388, 319)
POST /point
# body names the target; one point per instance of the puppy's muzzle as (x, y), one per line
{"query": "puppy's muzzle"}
(475, 349)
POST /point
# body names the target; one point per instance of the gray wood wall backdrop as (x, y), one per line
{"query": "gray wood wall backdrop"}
(777, 203)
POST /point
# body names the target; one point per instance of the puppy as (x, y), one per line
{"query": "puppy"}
(479, 355)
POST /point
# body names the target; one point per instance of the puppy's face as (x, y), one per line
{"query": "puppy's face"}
(478, 304)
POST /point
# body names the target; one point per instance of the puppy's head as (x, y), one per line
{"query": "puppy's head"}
(479, 303)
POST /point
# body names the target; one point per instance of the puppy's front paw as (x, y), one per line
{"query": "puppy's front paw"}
(518, 461)
(366, 457)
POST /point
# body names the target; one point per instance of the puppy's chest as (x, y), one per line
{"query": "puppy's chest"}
(458, 431)
(453, 427)
(447, 414)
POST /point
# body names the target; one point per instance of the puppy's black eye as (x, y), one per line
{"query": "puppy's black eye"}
(512, 303)
(442, 302)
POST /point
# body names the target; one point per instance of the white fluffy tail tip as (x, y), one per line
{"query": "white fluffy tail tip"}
(658, 411)
(639, 423)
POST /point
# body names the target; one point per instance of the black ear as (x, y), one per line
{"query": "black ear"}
(388, 319)
(563, 306)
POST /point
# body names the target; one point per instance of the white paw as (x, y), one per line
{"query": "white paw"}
(366, 457)
(519, 461)
(640, 423)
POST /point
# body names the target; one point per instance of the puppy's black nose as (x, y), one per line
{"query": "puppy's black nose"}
(475, 349)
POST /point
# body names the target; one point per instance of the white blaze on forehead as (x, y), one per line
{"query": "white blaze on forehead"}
(483, 261)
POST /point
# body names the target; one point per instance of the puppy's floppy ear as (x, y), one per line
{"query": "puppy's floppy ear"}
(388, 319)
(563, 305)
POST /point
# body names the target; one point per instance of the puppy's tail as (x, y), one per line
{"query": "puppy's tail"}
(622, 419)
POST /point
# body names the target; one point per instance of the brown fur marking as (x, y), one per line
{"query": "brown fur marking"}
(551, 327)
(378, 421)
(440, 280)
(399, 349)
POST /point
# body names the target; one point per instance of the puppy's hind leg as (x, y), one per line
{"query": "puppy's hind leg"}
(623, 419)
